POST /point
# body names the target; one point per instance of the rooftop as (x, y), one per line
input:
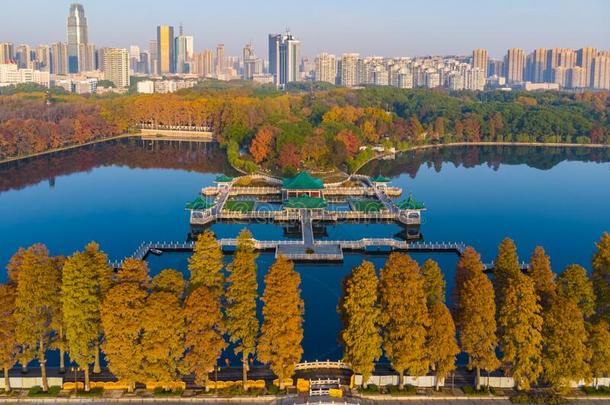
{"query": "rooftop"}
(303, 181)
(305, 201)
(199, 203)
(223, 178)
(411, 204)
(380, 179)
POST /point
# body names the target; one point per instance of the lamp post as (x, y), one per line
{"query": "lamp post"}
(216, 368)
(75, 370)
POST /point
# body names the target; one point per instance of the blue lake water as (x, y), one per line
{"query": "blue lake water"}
(120, 194)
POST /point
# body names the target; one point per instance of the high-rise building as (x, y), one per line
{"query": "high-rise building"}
(42, 58)
(326, 68)
(116, 66)
(87, 57)
(537, 65)
(284, 58)
(7, 52)
(203, 63)
(515, 65)
(349, 69)
(184, 52)
(496, 68)
(252, 64)
(59, 58)
(220, 59)
(23, 57)
(165, 50)
(77, 34)
(480, 60)
(600, 71)
(153, 57)
(274, 55)
(584, 59)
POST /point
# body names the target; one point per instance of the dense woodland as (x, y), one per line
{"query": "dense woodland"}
(537, 327)
(261, 127)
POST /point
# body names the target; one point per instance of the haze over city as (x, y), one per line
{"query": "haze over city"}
(384, 27)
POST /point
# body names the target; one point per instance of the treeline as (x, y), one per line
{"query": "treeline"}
(149, 330)
(316, 129)
(536, 327)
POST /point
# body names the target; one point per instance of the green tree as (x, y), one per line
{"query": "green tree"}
(86, 278)
(206, 263)
(37, 292)
(506, 266)
(171, 281)
(359, 309)
(599, 345)
(9, 348)
(404, 316)
(163, 324)
(442, 345)
(566, 355)
(476, 315)
(282, 331)
(573, 283)
(601, 277)
(521, 321)
(241, 296)
(434, 282)
(121, 317)
(544, 278)
(205, 329)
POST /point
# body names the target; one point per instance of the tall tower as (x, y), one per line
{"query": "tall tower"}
(274, 56)
(116, 66)
(184, 52)
(349, 69)
(290, 59)
(77, 34)
(165, 50)
(515, 65)
(480, 60)
(220, 59)
(584, 59)
(326, 68)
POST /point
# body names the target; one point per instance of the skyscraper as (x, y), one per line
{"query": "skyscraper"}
(165, 49)
(184, 52)
(584, 59)
(349, 69)
(59, 58)
(24, 57)
(538, 62)
(284, 58)
(480, 60)
(251, 64)
(202, 63)
(220, 59)
(515, 65)
(600, 71)
(116, 66)
(77, 34)
(326, 68)
(6, 52)
(43, 58)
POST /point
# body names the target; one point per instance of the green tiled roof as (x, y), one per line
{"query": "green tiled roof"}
(305, 201)
(380, 179)
(368, 205)
(411, 204)
(303, 181)
(199, 203)
(223, 179)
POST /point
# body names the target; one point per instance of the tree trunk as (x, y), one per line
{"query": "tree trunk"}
(96, 365)
(401, 382)
(7, 380)
(62, 352)
(436, 383)
(130, 387)
(477, 380)
(87, 385)
(43, 366)
(244, 363)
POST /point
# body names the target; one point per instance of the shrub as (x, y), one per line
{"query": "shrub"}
(370, 389)
(93, 392)
(36, 391)
(470, 390)
(407, 390)
(601, 390)
(540, 397)
(160, 392)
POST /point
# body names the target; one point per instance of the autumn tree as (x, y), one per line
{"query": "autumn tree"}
(351, 142)
(241, 296)
(9, 348)
(289, 156)
(59, 339)
(359, 309)
(565, 355)
(404, 316)
(263, 143)
(121, 317)
(36, 293)
(506, 267)
(600, 277)
(599, 345)
(206, 264)
(170, 281)
(520, 320)
(573, 283)
(204, 334)
(542, 275)
(86, 279)
(442, 345)
(476, 315)
(162, 344)
(434, 282)
(282, 330)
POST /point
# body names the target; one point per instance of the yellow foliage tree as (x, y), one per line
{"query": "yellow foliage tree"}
(434, 282)
(359, 309)
(404, 316)
(9, 348)
(206, 264)
(282, 331)
(442, 345)
(601, 277)
(544, 278)
(599, 345)
(573, 283)
(171, 281)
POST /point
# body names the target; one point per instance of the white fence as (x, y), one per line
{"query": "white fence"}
(596, 382)
(29, 382)
(425, 381)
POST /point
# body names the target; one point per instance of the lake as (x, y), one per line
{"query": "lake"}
(124, 192)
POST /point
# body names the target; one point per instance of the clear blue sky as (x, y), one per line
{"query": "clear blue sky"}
(380, 27)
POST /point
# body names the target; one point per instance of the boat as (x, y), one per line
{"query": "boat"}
(156, 252)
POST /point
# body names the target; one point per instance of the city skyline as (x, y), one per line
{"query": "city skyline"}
(449, 29)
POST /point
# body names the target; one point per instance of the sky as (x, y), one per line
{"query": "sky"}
(369, 27)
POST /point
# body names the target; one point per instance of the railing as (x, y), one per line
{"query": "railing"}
(236, 190)
(309, 365)
(187, 128)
